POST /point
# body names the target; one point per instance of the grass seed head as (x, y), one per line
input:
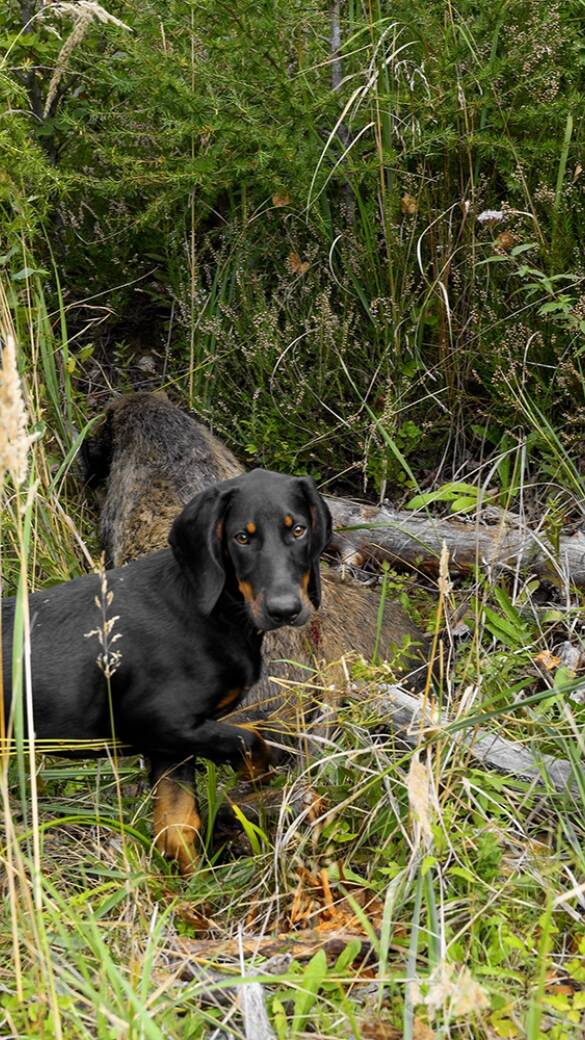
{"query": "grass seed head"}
(419, 796)
(14, 440)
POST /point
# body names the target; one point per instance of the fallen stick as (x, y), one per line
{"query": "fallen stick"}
(365, 532)
(300, 946)
(413, 721)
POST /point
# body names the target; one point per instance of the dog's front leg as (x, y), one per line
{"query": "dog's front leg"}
(239, 746)
(176, 816)
(220, 742)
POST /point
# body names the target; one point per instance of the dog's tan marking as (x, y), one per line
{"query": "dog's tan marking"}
(219, 530)
(254, 603)
(247, 591)
(251, 527)
(305, 587)
(257, 766)
(230, 697)
(176, 823)
(288, 520)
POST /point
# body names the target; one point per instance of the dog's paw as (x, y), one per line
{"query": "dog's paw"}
(257, 759)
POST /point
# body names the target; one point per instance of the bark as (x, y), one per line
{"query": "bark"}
(299, 945)
(486, 747)
(365, 532)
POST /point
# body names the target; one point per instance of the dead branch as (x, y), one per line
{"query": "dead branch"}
(365, 532)
(487, 748)
(300, 946)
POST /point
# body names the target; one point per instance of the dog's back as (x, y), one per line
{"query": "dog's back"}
(153, 459)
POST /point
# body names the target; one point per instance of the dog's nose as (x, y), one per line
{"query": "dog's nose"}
(283, 610)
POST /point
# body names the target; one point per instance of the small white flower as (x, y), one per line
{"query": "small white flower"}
(490, 216)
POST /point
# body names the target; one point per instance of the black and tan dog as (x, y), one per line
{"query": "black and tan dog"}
(244, 560)
(151, 458)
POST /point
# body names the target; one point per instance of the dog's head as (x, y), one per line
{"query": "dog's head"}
(261, 534)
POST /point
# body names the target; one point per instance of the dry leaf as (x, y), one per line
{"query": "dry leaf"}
(422, 1031)
(280, 200)
(451, 989)
(378, 1030)
(547, 660)
(570, 656)
(297, 265)
(505, 241)
(408, 205)
(578, 172)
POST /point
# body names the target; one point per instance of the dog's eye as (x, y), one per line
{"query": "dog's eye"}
(242, 538)
(298, 531)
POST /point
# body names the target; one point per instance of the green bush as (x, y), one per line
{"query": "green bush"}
(297, 228)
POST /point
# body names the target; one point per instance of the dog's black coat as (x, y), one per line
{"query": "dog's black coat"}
(190, 620)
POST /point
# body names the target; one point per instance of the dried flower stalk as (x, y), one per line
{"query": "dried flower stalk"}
(14, 440)
(83, 13)
(419, 798)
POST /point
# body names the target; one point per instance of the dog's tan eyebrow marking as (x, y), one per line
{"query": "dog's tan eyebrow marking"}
(251, 527)
(288, 520)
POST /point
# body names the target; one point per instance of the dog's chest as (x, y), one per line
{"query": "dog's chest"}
(238, 670)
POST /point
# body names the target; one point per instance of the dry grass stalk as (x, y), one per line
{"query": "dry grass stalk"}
(83, 13)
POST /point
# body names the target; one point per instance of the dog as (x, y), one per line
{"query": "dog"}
(151, 457)
(187, 624)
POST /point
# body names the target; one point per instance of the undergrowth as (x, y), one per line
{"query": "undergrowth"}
(378, 888)
(351, 239)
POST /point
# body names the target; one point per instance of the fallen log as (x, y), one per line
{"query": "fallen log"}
(411, 717)
(365, 532)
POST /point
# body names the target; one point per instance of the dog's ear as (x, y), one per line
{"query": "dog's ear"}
(196, 540)
(320, 534)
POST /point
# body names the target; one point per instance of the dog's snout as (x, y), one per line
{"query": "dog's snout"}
(284, 609)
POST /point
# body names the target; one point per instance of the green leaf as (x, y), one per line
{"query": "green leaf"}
(464, 504)
(462, 872)
(309, 985)
(255, 835)
(446, 493)
(27, 272)
(505, 631)
(347, 956)
(523, 248)
(563, 304)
